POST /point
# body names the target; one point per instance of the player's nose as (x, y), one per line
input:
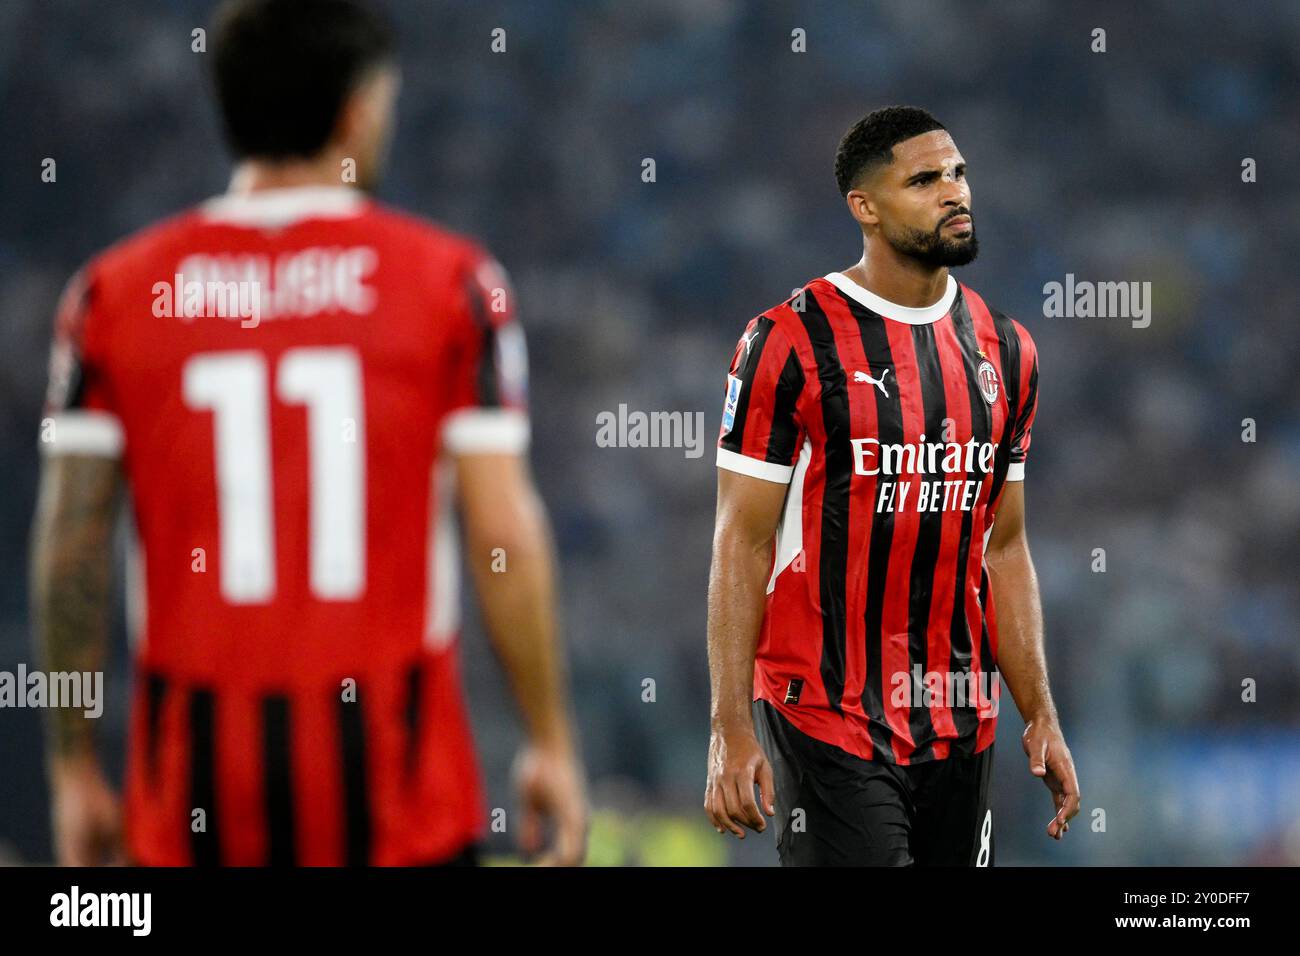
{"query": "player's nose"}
(953, 194)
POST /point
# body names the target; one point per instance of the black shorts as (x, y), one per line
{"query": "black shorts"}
(835, 809)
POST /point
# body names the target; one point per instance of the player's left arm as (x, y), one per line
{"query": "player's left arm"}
(1021, 658)
(71, 580)
(70, 577)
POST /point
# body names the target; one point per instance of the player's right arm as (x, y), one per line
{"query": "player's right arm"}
(71, 575)
(761, 431)
(504, 518)
(749, 510)
(511, 557)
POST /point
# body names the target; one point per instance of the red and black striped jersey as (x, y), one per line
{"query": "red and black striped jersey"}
(896, 430)
(296, 597)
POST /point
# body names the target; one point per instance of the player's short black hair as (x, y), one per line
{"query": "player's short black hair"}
(870, 141)
(283, 69)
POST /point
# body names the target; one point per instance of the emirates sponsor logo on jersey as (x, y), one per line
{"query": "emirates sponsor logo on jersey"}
(886, 461)
(873, 458)
(252, 287)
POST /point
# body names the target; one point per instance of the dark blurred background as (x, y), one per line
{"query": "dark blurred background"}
(1115, 166)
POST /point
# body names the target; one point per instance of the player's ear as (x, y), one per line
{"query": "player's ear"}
(861, 207)
(350, 122)
(365, 113)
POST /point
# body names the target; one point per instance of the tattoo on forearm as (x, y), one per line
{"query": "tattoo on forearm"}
(71, 575)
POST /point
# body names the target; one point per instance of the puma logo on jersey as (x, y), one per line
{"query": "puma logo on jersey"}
(749, 341)
(878, 382)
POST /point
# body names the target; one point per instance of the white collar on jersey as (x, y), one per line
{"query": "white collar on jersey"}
(891, 310)
(280, 207)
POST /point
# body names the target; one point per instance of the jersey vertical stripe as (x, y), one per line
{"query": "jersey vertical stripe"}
(929, 536)
(862, 417)
(967, 620)
(833, 566)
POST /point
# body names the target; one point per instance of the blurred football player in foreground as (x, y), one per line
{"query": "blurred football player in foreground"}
(299, 390)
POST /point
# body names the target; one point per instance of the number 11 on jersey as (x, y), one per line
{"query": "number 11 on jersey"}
(234, 387)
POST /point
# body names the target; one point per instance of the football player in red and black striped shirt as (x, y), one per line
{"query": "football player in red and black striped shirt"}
(295, 476)
(871, 577)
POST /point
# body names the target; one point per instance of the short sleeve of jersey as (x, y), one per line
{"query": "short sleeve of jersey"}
(490, 376)
(79, 415)
(761, 431)
(1026, 405)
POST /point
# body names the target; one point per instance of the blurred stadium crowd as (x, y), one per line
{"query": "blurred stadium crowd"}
(1115, 166)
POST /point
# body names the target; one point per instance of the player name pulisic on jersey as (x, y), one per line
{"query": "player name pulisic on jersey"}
(896, 430)
(295, 596)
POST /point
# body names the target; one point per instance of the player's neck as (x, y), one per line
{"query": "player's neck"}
(899, 279)
(255, 175)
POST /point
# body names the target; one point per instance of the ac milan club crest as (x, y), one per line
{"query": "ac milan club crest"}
(988, 379)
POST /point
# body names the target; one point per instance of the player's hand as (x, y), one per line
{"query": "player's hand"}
(736, 763)
(550, 784)
(1050, 759)
(87, 817)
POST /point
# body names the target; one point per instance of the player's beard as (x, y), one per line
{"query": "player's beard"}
(934, 248)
